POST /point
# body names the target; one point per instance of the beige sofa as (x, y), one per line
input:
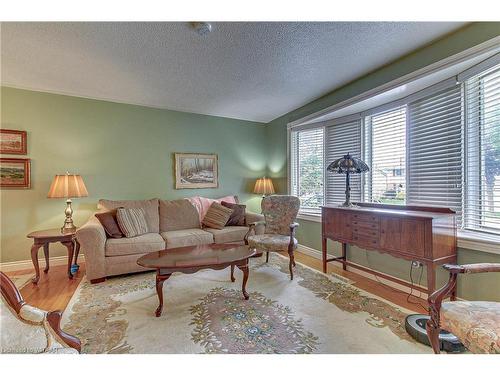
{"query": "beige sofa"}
(171, 224)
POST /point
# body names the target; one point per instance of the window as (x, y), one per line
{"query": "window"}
(482, 196)
(435, 150)
(307, 168)
(386, 143)
(341, 139)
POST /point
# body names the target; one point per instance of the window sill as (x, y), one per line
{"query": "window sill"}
(309, 217)
(478, 241)
(466, 239)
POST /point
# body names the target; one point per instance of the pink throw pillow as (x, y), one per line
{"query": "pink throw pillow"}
(202, 204)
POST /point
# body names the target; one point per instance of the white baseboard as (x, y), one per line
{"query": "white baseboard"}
(28, 264)
(318, 255)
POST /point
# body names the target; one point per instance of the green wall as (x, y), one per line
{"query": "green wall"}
(485, 286)
(122, 151)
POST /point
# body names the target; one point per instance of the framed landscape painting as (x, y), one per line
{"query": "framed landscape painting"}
(13, 142)
(14, 173)
(196, 171)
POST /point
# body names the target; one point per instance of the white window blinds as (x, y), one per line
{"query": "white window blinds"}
(342, 139)
(386, 141)
(307, 168)
(435, 150)
(482, 195)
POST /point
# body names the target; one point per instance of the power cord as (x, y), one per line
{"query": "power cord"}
(412, 284)
(408, 295)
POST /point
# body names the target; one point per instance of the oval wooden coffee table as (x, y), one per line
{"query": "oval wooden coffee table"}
(191, 259)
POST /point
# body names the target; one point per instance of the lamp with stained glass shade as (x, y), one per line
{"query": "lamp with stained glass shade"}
(348, 165)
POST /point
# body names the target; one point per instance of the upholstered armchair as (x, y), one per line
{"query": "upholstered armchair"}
(26, 329)
(475, 323)
(280, 212)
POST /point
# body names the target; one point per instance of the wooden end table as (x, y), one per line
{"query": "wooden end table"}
(44, 238)
(191, 259)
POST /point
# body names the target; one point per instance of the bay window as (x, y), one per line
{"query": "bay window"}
(437, 147)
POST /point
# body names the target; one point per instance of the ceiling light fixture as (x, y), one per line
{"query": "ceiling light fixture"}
(202, 28)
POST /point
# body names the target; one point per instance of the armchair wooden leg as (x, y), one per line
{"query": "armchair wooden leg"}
(433, 334)
(232, 273)
(267, 256)
(292, 261)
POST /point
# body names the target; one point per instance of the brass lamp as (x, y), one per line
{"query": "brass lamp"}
(264, 186)
(68, 186)
(348, 165)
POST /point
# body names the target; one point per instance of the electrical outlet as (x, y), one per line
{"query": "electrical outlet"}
(416, 264)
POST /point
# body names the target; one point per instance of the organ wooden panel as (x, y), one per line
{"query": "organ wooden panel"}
(424, 234)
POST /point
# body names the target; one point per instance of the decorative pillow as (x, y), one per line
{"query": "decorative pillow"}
(238, 215)
(132, 221)
(108, 221)
(217, 216)
(202, 204)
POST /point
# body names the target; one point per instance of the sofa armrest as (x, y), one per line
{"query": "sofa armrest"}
(92, 239)
(252, 217)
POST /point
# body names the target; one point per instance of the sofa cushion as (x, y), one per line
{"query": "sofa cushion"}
(177, 215)
(132, 221)
(217, 216)
(135, 245)
(187, 237)
(228, 234)
(238, 216)
(150, 208)
(108, 221)
(202, 204)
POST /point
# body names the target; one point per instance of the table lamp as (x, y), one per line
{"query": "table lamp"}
(347, 165)
(264, 186)
(67, 186)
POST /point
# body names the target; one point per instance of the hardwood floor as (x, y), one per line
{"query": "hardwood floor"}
(54, 290)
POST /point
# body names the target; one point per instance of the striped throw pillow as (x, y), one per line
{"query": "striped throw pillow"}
(217, 216)
(132, 221)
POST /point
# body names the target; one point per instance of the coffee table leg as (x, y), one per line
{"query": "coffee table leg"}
(34, 258)
(159, 290)
(244, 267)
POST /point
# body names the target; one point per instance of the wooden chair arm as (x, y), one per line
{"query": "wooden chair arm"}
(10, 293)
(54, 320)
(472, 268)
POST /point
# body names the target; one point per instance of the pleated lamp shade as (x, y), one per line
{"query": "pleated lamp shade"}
(67, 186)
(264, 186)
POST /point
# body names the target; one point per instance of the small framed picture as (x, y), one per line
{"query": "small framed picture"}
(13, 142)
(196, 171)
(15, 173)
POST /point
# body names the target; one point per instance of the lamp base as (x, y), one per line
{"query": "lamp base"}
(68, 229)
(68, 223)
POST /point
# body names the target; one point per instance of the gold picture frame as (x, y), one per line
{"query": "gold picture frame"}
(196, 171)
(15, 173)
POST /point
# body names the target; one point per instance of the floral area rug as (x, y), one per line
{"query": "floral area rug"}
(206, 313)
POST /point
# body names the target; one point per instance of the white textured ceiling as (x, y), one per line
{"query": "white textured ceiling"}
(253, 71)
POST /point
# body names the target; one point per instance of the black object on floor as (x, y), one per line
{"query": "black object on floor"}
(415, 326)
